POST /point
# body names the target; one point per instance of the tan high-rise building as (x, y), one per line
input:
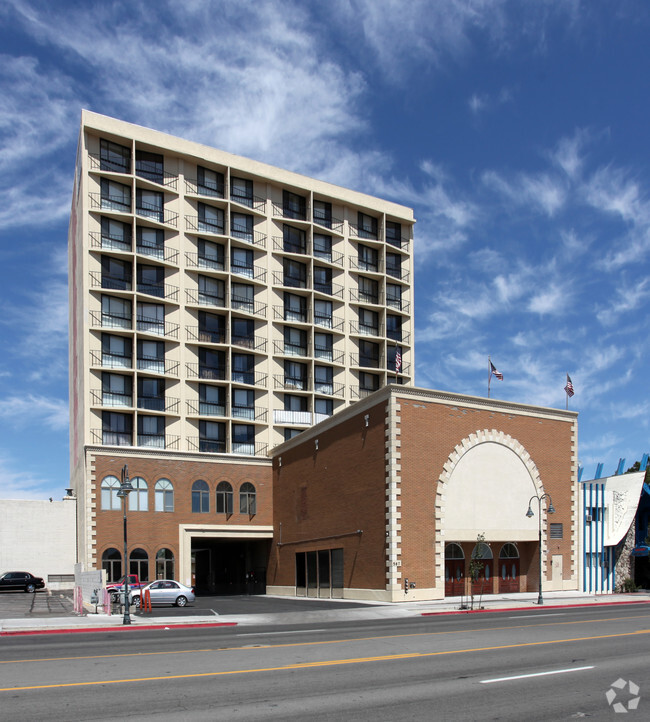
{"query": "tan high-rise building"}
(219, 306)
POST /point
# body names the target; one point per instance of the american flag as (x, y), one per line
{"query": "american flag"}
(398, 360)
(494, 372)
(569, 386)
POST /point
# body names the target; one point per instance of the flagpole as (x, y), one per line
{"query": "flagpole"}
(566, 392)
(489, 375)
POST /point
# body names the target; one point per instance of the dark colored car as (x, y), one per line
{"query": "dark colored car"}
(20, 581)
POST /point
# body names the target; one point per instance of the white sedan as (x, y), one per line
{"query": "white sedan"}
(164, 591)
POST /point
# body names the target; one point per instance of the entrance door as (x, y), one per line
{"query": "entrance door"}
(508, 569)
(454, 570)
(483, 562)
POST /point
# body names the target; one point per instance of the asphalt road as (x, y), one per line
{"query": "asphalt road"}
(543, 664)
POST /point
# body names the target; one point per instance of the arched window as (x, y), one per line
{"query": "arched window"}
(200, 497)
(224, 498)
(110, 499)
(509, 551)
(112, 563)
(164, 564)
(164, 493)
(247, 503)
(139, 564)
(454, 551)
(139, 497)
(482, 551)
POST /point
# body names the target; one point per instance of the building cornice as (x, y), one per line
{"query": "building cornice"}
(162, 455)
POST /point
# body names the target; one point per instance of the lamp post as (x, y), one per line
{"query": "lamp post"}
(529, 513)
(123, 493)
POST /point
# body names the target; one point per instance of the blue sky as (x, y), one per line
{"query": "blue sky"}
(518, 132)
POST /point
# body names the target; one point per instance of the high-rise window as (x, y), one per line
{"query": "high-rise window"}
(151, 318)
(241, 262)
(117, 351)
(210, 218)
(212, 328)
(295, 375)
(116, 312)
(323, 313)
(323, 380)
(151, 431)
(149, 165)
(243, 368)
(241, 191)
(212, 400)
(113, 157)
(212, 364)
(294, 206)
(151, 394)
(323, 343)
(323, 247)
(368, 322)
(394, 265)
(151, 280)
(116, 236)
(394, 327)
(369, 354)
(243, 439)
(211, 291)
(212, 436)
(242, 332)
(323, 279)
(117, 429)
(150, 241)
(116, 274)
(150, 204)
(209, 182)
(394, 233)
(241, 226)
(295, 341)
(116, 390)
(368, 258)
(323, 213)
(243, 404)
(242, 297)
(211, 255)
(295, 273)
(295, 307)
(367, 226)
(115, 196)
(368, 290)
(294, 240)
(151, 356)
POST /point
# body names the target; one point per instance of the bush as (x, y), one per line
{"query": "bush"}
(627, 585)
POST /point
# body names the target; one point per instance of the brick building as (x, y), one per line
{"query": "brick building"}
(399, 486)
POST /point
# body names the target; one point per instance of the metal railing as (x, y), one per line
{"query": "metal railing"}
(358, 296)
(333, 257)
(160, 290)
(285, 212)
(283, 348)
(245, 305)
(110, 242)
(249, 378)
(161, 253)
(362, 329)
(96, 162)
(156, 327)
(282, 313)
(358, 264)
(109, 203)
(111, 438)
(111, 320)
(366, 361)
(194, 260)
(201, 298)
(255, 273)
(284, 246)
(154, 365)
(201, 225)
(206, 408)
(292, 383)
(334, 224)
(215, 190)
(167, 404)
(194, 333)
(112, 399)
(99, 279)
(155, 213)
(110, 360)
(257, 203)
(254, 343)
(208, 373)
(210, 446)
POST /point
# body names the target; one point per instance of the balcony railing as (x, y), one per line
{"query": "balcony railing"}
(150, 172)
(214, 190)
(154, 365)
(96, 162)
(359, 392)
(402, 243)
(110, 242)
(367, 361)
(111, 438)
(167, 404)
(114, 282)
(330, 289)
(245, 305)
(256, 238)
(402, 274)
(160, 290)
(359, 296)
(284, 348)
(255, 273)
(156, 327)
(194, 333)
(291, 383)
(201, 298)
(249, 448)
(249, 378)
(255, 343)
(399, 304)
(325, 353)
(159, 252)
(208, 373)
(333, 257)
(357, 264)
(362, 329)
(287, 212)
(121, 204)
(334, 224)
(329, 388)
(157, 441)
(155, 213)
(203, 225)
(111, 320)
(282, 279)
(206, 408)
(194, 260)
(335, 323)
(286, 246)
(257, 203)
(357, 231)
(110, 360)
(292, 418)
(210, 446)
(284, 313)
(111, 399)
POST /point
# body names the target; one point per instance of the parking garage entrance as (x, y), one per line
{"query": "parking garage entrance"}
(228, 565)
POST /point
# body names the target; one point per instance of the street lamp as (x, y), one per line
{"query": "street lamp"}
(529, 513)
(125, 489)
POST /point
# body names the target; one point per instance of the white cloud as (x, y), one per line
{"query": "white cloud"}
(628, 298)
(547, 193)
(482, 102)
(24, 484)
(22, 411)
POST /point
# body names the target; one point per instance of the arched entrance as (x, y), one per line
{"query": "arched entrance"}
(508, 569)
(454, 570)
(484, 569)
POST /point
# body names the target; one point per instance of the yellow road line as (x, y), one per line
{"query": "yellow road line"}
(324, 663)
(322, 641)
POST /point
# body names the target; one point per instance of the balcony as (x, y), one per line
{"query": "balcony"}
(360, 392)
(402, 243)
(194, 260)
(158, 441)
(249, 413)
(119, 165)
(207, 373)
(360, 296)
(281, 210)
(154, 365)
(249, 448)
(207, 188)
(114, 282)
(333, 224)
(254, 238)
(159, 252)
(154, 213)
(333, 257)
(157, 327)
(120, 203)
(152, 173)
(110, 360)
(111, 320)
(249, 378)
(293, 315)
(254, 273)
(366, 234)
(257, 203)
(284, 348)
(210, 446)
(401, 274)
(399, 304)
(197, 224)
(254, 343)
(329, 388)
(326, 353)
(329, 289)
(323, 320)
(282, 279)
(201, 298)
(111, 399)
(160, 290)
(194, 333)
(245, 305)
(287, 246)
(362, 329)
(165, 404)
(364, 266)
(110, 242)
(291, 383)
(206, 408)
(367, 361)
(111, 438)
(292, 418)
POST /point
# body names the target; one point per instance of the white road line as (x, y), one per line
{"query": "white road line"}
(267, 634)
(535, 674)
(528, 616)
(215, 613)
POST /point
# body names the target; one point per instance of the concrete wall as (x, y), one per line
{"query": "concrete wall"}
(38, 537)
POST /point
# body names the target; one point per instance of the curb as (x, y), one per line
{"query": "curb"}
(526, 609)
(139, 627)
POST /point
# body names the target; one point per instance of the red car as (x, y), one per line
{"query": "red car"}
(117, 588)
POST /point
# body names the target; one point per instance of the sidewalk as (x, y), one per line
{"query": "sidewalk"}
(370, 610)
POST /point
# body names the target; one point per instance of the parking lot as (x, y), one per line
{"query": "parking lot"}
(15, 605)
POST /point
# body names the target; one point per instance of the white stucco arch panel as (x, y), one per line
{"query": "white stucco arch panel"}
(486, 488)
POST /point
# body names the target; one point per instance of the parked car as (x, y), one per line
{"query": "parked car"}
(164, 591)
(21, 580)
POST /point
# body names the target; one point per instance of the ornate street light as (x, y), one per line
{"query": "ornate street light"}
(529, 513)
(125, 489)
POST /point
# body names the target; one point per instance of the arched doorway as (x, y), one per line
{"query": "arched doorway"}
(139, 564)
(484, 569)
(454, 570)
(508, 569)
